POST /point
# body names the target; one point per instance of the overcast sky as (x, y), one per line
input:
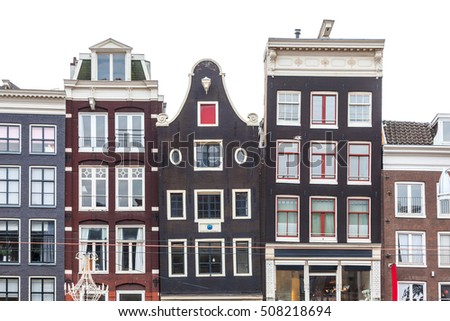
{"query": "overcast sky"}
(40, 38)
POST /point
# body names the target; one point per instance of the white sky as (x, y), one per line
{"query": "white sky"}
(40, 38)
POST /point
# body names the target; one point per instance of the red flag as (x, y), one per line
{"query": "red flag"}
(394, 282)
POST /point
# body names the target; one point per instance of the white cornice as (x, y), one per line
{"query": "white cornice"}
(326, 44)
(33, 102)
(416, 157)
(33, 94)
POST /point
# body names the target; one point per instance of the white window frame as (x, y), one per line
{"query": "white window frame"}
(169, 205)
(410, 284)
(359, 239)
(440, 284)
(54, 241)
(287, 238)
(360, 124)
(359, 182)
(318, 239)
(40, 278)
(423, 202)
(93, 270)
(94, 188)
(129, 117)
(199, 104)
(19, 245)
(249, 203)
(93, 125)
(244, 152)
(288, 180)
(172, 152)
(185, 273)
(111, 65)
(141, 292)
(20, 138)
(130, 188)
(440, 264)
(55, 140)
(235, 262)
(210, 192)
(119, 245)
(324, 93)
(438, 204)
(55, 189)
(283, 122)
(328, 181)
(19, 187)
(14, 277)
(197, 260)
(201, 142)
(424, 249)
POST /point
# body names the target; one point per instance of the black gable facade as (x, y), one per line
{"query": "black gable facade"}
(209, 187)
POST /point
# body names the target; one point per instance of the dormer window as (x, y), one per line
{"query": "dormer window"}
(111, 66)
(446, 131)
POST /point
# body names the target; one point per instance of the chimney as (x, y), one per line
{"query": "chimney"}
(73, 65)
(297, 33)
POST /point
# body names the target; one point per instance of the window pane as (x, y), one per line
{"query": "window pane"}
(118, 67)
(103, 66)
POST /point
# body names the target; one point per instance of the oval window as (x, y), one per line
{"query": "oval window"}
(240, 155)
(175, 156)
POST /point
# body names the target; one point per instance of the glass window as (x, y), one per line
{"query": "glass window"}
(208, 155)
(9, 241)
(130, 131)
(410, 200)
(355, 283)
(324, 109)
(42, 289)
(446, 131)
(288, 112)
(94, 188)
(210, 258)
(92, 131)
(323, 162)
(411, 291)
(287, 217)
(130, 188)
(242, 257)
(175, 156)
(9, 138)
(241, 204)
(358, 218)
(359, 109)
(130, 249)
(444, 249)
(290, 284)
(177, 258)
(359, 162)
(323, 217)
(444, 290)
(42, 238)
(411, 249)
(240, 156)
(176, 204)
(95, 240)
(207, 114)
(9, 289)
(130, 295)
(209, 205)
(288, 161)
(43, 187)
(9, 186)
(111, 66)
(43, 139)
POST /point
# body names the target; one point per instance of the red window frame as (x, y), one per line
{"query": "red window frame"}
(323, 120)
(359, 157)
(207, 113)
(287, 218)
(322, 218)
(323, 159)
(288, 161)
(359, 213)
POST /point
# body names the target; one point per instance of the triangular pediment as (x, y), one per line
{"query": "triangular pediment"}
(110, 44)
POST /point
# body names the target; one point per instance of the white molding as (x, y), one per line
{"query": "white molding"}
(416, 157)
(68, 229)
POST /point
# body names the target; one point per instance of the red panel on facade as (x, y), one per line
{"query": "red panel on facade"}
(207, 114)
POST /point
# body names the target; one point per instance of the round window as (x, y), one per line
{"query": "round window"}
(240, 155)
(175, 156)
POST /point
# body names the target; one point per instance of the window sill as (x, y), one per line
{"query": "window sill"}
(410, 216)
(288, 181)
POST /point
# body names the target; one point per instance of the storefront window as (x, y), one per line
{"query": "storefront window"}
(290, 285)
(355, 283)
(322, 286)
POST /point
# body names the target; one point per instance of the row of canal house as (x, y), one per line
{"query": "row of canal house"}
(206, 204)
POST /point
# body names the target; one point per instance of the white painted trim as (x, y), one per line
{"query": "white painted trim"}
(249, 203)
(169, 208)
(68, 209)
(424, 246)
(155, 229)
(336, 110)
(287, 180)
(439, 234)
(423, 203)
(19, 220)
(223, 265)
(55, 189)
(240, 149)
(93, 180)
(89, 226)
(216, 107)
(31, 137)
(30, 220)
(411, 283)
(19, 204)
(362, 124)
(416, 157)
(356, 182)
(202, 142)
(320, 180)
(155, 208)
(169, 265)
(55, 288)
(284, 122)
(360, 240)
(173, 151)
(68, 229)
(211, 192)
(314, 239)
(287, 238)
(118, 247)
(68, 150)
(69, 272)
(235, 263)
(119, 292)
(440, 284)
(129, 180)
(20, 138)
(155, 271)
